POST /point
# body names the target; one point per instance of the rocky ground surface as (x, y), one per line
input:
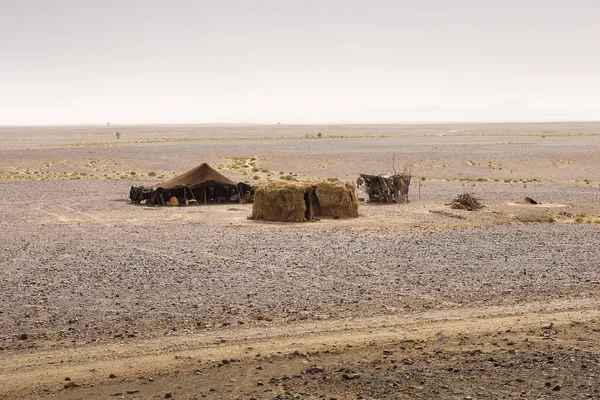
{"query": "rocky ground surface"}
(407, 301)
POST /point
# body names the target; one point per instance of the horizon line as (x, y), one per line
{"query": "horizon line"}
(416, 122)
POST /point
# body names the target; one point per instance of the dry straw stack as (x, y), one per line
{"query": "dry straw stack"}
(337, 199)
(281, 201)
(292, 201)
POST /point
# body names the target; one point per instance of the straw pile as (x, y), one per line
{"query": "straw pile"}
(283, 201)
(337, 199)
(466, 201)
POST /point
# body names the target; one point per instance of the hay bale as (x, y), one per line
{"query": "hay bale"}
(466, 201)
(283, 201)
(337, 199)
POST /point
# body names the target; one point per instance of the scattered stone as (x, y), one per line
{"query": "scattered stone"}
(132, 391)
(23, 336)
(556, 388)
(112, 376)
(168, 396)
(315, 370)
(70, 385)
(350, 377)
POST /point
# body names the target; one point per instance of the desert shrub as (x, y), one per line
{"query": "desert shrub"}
(151, 173)
(551, 219)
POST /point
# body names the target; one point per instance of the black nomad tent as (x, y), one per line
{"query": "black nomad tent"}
(200, 185)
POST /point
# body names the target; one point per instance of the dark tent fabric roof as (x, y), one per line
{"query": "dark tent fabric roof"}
(196, 176)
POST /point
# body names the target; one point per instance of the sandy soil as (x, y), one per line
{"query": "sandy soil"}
(413, 300)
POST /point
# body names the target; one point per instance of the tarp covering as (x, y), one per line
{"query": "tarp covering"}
(196, 176)
(199, 185)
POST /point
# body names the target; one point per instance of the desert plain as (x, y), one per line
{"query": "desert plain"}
(105, 299)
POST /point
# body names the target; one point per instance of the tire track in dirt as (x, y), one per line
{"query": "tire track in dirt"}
(46, 369)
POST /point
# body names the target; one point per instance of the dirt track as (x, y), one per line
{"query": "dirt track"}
(536, 351)
(95, 286)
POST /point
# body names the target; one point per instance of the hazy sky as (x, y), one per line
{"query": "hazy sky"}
(129, 61)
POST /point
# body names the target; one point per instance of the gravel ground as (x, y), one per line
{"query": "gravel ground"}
(98, 268)
(83, 268)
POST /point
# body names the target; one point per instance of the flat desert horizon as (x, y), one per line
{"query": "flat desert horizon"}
(103, 298)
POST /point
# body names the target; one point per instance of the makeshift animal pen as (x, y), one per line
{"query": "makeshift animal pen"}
(337, 199)
(385, 188)
(200, 185)
(466, 201)
(287, 201)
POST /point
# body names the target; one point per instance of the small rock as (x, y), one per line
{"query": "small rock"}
(70, 385)
(168, 396)
(112, 376)
(556, 388)
(350, 377)
(67, 379)
(315, 370)
(23, 336)
(132, 391)
(117, 394)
